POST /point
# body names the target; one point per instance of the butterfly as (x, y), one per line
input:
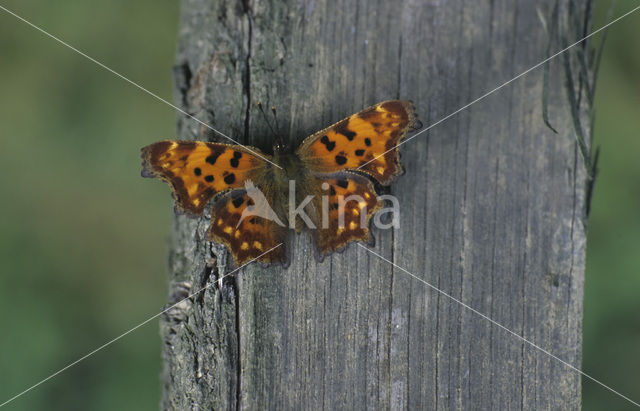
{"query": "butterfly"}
(254, 206)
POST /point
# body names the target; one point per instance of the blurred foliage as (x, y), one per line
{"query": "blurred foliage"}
(611, 350)
(83, 238)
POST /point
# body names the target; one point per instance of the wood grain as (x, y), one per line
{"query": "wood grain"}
(492, 210)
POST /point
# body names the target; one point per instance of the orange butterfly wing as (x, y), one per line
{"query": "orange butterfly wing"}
(365, 141)
(198, 171)
(352, 201)
(248, 236)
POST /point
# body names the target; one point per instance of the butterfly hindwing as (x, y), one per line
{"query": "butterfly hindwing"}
(238, 225)
(366, 141)
(198, 171)
(351, 201)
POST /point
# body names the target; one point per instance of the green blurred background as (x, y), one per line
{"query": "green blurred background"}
(83, 238)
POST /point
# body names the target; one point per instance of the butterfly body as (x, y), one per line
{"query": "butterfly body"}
(275, 182)
(326, 185)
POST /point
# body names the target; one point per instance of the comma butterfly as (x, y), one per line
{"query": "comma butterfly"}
(330, 168)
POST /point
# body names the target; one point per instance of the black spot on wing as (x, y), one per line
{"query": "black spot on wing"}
(237, 202)
(209, 178)
(330, 145)
(213, 157)
(230, 178)
(342, 183)
(234, 162)
(367, 141)
(350, 135)
(340, 160)
(342, 129)
(197, 171)
(359, 152)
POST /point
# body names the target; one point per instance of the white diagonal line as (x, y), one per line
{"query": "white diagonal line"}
(378, 255)
(499, 325)
(131, 330)
(135, 84)
(500, 86)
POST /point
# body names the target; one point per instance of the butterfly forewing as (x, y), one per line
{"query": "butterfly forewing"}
(366, 141)
(198, 171)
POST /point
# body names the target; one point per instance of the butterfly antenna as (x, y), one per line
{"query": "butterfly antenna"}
(275, 118)
(266, 120)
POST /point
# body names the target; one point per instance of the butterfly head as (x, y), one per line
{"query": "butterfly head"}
(279, 145)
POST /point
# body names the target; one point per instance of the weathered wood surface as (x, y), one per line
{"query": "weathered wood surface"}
(492, 211)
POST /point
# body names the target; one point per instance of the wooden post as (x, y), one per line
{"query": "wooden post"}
(493, 209)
